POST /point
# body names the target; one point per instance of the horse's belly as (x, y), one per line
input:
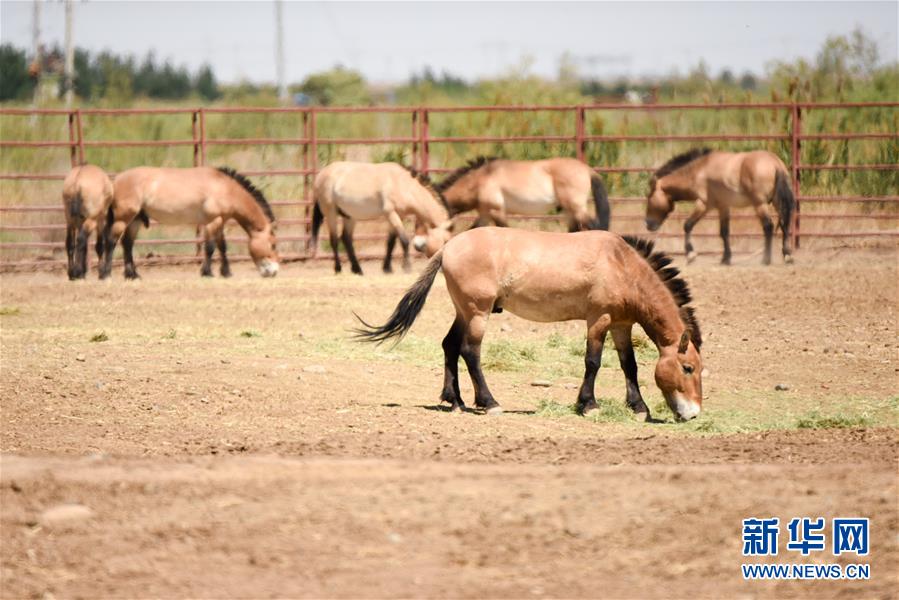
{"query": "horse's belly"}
(530, 204)
(192, 213)
(360, 208)
(553, 300)
(543, 312)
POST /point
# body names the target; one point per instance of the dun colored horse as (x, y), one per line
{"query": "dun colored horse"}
(202, 196)
(723, 180)
(608, 281)
(497, 188)
(86, 196)
(365, 191)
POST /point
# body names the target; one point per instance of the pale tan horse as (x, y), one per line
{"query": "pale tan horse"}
(722, 181)
(359, 191)
(86, 196)
(608, 281)
(498, 188)
(201, 196)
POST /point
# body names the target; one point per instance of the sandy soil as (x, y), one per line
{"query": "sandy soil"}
(228, 442)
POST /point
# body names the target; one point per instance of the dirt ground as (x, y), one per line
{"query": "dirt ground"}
(228, 440)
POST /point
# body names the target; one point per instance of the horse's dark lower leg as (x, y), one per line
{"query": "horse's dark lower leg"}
(452, 348)
(625, 347)
(471, 354)
(688, 244)
(70, 253)
(768, 228)
(725, 236)
(785, 247)
(98, 246)
(388, 257)
(128, 251)
(586, 397)
(335, 246)
(347, 238)
(209, 250)
(407, 264)
(81, 252)
(109, 244)
(225, 270)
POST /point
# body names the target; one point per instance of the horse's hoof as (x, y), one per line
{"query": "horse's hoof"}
(725, 261)
(494, 411)
(788, 259)
(691, 256)
(588, 410)
(204, 274)
(642, 417)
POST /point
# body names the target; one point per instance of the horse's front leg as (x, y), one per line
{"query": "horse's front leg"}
(452, 348)
(761, 210)
(222, 243)
(724, 223)
(347, 238)
(128, 249)
(388, 256)
(70, 252)
(208, 251)
(111, 234)
(596, 337)
(471, 354)
(397, 228)
(625, 347)
(698, 213)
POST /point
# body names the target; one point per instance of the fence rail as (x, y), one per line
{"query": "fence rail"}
(420, 141)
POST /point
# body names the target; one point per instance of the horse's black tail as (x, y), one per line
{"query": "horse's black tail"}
(144, 218)
(784, 201)
(317, 218)
(601, 200)
(406, 311)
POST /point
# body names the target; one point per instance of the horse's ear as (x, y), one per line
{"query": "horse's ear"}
(447, 225)
(652, 183)
(684, 342)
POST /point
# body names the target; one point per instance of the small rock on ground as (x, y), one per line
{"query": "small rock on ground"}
(62, 513)
(541, 383)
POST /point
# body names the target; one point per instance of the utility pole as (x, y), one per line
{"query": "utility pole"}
(36, 48)
(69, 73)
(279, 50)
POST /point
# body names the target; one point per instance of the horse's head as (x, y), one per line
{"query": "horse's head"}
(263, 250)
(431, 239)
(679, 376)
(658, 205)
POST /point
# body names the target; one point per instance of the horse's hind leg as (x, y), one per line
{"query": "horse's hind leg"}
(768, 227)
(128, 249)
(452, 348)
(694, 218)
(724, 222)
(596, 337)
(397, 228)
(471, 354)
(70, 252)
(347, 239)
(208, 251)
(625, 346)
(388, 258)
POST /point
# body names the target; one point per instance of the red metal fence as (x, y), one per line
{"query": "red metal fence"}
(879, 210)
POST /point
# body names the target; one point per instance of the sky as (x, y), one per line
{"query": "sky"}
(388, 41)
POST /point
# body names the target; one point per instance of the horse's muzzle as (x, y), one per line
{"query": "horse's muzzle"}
(418, 242)
(268, 268)
(652, 224)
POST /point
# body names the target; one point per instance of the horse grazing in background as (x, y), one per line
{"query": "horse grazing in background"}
(608, 281)
(201, 196)
(723, 180)
(86, 196)
(497, 188)
(365, 191)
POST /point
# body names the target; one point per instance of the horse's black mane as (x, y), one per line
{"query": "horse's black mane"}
(427, 183)
(252, 189)
(475, 163)
(681, 160)
(659, 262)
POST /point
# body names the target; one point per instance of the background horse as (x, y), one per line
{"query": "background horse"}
(200, 196)
(497, 188)
(723, 180)
(608, 281)
(86, 196)
(365, 191)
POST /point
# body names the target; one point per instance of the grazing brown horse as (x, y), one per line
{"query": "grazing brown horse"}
(364, 191)
(723, 180)
(86, 196)
(497, 188)
(608, 281)
(202, 196)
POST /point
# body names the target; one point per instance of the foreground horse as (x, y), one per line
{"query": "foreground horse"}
(365, 191)
(86, 196)
(202, 196)
(608, 281)
(497, 188)
(723, 180)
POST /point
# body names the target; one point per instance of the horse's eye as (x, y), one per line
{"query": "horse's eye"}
(688, 369)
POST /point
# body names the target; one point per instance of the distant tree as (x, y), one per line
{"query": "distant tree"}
(206, 85)
(748, 81)
(726, 77)
(337, 86)
(15, 82)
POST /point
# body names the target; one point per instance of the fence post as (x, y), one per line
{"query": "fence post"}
(795, 162)
(73, 142)
(425, 159)
(80, 136)
(579, 133)
(202, 137)
(307, 212)
(195, 135)
(415, 138)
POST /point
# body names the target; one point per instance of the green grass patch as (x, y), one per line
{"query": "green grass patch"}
(816, 420)
(100, 337)
(506, 355)
(610, 411)
(9, 311)
(250, 333)
(170, 335)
